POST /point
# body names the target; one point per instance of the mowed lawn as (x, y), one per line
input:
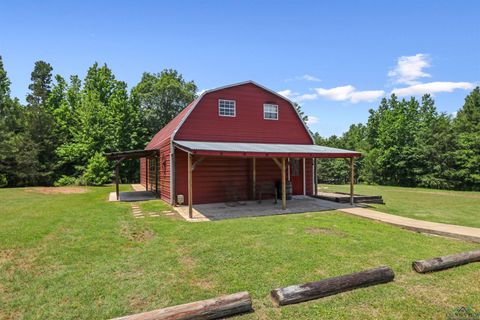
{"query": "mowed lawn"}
(76, 256)
(455, 207)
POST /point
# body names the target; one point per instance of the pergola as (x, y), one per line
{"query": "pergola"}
(277, 152)
(119, 156)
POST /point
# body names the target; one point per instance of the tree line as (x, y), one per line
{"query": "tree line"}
(409, 143)
(59, 135)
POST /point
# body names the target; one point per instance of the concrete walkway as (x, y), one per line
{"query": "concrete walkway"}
(442, 229)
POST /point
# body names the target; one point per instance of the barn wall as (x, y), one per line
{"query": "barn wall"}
(216, 179)
(164, 171)
(204, 123)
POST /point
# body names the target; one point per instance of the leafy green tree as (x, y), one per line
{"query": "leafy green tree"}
(466, 126)
(98, 171)
(160, 97)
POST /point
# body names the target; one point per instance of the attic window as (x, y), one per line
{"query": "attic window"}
(270, 111)
(226, 108)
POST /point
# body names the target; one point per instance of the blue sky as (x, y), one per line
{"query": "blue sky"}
(337, 58)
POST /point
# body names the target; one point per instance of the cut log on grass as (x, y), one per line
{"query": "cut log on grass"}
(440, 263)
(330, 286)
(215, 308)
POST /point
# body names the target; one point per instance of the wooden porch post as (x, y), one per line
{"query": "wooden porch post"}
(254, 178)
(284, 186)
(117, 165)
(352, 177)
(315, 181)
(146, 174)
(304, 180)
(190, 193)
(156, 175)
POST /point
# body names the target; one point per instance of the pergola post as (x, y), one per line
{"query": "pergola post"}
(117, 190)
(284, 186)
(156, 175)
(315, 178)
(254, 178)
(352, 177)
(190, 193)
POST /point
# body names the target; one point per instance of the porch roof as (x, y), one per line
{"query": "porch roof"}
(238, 149)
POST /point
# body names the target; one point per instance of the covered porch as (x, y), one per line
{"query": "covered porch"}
(196, 152)
(222, 211)
(140, 193)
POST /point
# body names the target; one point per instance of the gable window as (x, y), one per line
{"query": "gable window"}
(270, 111)
(226, 108)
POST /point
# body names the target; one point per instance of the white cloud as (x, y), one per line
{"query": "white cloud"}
(305, 97)
(287, 93)
(312, 120)
(349, 93)
(410, 68)
(432, 88)
(306, 77)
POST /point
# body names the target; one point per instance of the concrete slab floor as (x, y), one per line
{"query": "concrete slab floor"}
(221, 211)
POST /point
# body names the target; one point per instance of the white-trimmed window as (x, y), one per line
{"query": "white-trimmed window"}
(270, 111)
(226, 108)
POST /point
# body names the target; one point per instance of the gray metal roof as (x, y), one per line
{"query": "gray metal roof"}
(270, 148)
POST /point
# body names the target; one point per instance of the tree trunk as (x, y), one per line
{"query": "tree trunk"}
(215, 308)
(327, 287)
(440, 263)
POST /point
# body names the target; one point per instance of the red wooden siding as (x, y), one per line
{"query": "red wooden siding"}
(204, 123)
(142, 172)
(216, 178)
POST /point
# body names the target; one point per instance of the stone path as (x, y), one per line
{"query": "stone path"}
(139, 214)
(442, 229)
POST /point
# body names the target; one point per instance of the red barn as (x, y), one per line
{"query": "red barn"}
(230, 141)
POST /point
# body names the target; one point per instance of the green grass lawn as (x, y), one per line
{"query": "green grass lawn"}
(77, 256)
(455, 207)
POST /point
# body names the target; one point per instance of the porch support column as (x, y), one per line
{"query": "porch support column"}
(315, 178)
(146, 174)
(117, 191)
(304, 180)
(254, 178)
(190, 193)
(284, 186)
(352, 177)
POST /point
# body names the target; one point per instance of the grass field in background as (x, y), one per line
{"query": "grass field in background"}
(455, 207)
(77, 256)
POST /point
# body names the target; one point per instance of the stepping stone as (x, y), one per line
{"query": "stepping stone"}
(139, 217)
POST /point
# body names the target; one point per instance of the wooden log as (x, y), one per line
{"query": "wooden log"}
(331, 286)
(440, 263)
(215, 308)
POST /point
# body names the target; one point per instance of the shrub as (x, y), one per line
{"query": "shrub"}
(98, 171)
(3, 181)
(65, 181)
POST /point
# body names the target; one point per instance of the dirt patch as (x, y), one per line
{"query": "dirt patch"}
(327, 231)
(136, 233)
(58, 190)
(6, 255)
(204, 284)
(188, 261)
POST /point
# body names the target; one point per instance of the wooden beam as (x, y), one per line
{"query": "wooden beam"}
(440, 263)
(117, 172)
(190, 193)
(315, 181)
(254, 178)
(197, 163)
(331, 286)
(304, 179)
(284, 186)
(156, 175)
(278, 163)
(146, 174)
(216, 308)
(352, 178)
